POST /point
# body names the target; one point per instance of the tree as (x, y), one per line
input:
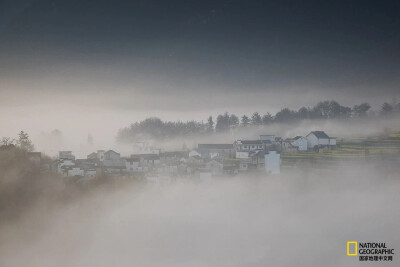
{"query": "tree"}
(233, 121)
(386, 109)
(267, 119)
(330, 110)
(210, 125)
(303, 113)
(24, 142)
(7, 141)
(361, 110)
(222, 122)
(285, 115)
(245, 121)
(256, 119)
(345, 112)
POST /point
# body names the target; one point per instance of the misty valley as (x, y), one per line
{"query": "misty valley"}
(199, 133)
(235, 202)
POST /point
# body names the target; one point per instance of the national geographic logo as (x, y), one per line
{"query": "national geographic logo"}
(371, 251)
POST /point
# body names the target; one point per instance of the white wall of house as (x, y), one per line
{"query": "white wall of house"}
(312, 140)
(76, 172)
(65, 162)
(323, 141)
(214, 155)
(66, 155)
(90, 173)
(194, 153)
(332, 141)
(111, 155)
(301, 144)
(100, 155)
(151, 162)
(145, 148)
(132, 166)
(242, 155)
(273, 162)
(315, 141)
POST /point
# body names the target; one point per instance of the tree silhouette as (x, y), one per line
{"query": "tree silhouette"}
(24, 142)
(256, 119)
(210, 125)
(245, 121)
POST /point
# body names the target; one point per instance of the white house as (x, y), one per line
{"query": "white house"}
(144, 148)
(66, 155)
(300, 142)
(273, 162)
(113, 162)
(143, 162)
(248, 145)
(242, 154)
(97, 155)
(317, 139)
(76, 171)
(64, 163)
(211, 151)
(194, 153)
(90, 173)
(133, 165)
(332, 141)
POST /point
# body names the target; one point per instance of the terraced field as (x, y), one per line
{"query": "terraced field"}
(347, 152)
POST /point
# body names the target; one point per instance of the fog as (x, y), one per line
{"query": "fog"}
(103, 126)
(73, 73)
(301, 218)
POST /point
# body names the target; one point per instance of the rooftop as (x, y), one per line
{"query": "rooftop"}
(251, 142)
(320, 134)
(215, 146)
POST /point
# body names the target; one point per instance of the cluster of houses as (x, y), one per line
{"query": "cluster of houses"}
(205, 161)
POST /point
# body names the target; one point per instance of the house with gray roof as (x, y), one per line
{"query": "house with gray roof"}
(317, 139)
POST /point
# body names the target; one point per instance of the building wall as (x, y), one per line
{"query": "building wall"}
(323, 142)
(65, 155)
(312, 140)
(301, 144)
(242, 155)
(132, 166)
(66, 162)
(100, 155)
(145, 148)
(90, 173)
(112, 155)
(76, 172)
(273, 162)
(194, 153)
(250, 147)
(332, 142)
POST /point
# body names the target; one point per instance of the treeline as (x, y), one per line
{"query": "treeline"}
(157, 129)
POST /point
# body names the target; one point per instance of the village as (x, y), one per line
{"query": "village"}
(205, 162)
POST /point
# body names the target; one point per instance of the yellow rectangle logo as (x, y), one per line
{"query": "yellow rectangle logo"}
(355, 248)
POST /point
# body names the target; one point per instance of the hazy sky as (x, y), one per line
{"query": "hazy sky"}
(189, 59)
